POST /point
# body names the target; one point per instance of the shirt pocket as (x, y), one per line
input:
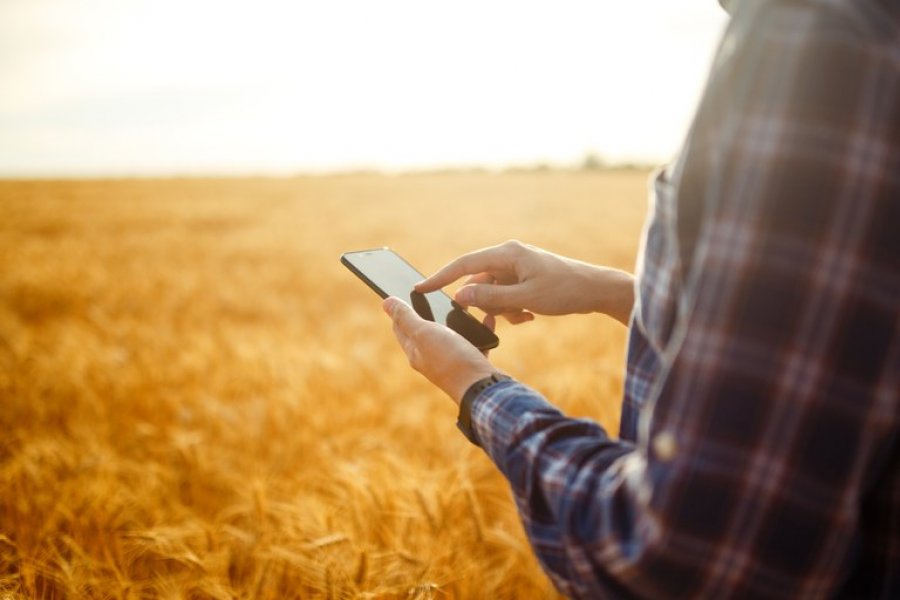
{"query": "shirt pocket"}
(658, 269)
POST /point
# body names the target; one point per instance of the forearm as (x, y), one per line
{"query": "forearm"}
(510, 412)
(606, 290)
(554, 465)
(586, 288)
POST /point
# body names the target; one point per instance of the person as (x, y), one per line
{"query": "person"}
(759, 449)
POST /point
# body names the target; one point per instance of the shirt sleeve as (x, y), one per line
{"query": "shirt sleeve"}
(763, 467)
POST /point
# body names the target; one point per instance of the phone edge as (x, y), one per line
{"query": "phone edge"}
(360, 274)
(381, 293)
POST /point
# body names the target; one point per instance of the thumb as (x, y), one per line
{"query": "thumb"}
(491, 297)
(404, 317)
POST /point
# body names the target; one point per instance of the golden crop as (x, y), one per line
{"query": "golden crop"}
(197, 400)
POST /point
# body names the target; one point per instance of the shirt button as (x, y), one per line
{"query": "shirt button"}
(664, 446)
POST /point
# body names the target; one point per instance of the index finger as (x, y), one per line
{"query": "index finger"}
(479, 261)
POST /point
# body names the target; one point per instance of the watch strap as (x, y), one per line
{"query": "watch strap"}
(464, 420)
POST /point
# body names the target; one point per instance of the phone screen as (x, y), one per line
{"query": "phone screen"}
(389, 275)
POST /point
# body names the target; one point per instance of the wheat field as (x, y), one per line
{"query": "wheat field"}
(199, 401)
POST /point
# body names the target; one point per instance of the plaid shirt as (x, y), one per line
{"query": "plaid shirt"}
(759, 454)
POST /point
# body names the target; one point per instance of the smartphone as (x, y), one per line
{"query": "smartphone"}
(389, 275)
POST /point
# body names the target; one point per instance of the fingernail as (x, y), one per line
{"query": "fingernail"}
(464, 296)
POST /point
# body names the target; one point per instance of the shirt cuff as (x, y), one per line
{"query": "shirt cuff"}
(497, 414)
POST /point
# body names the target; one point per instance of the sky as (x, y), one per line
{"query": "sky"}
(179, 87)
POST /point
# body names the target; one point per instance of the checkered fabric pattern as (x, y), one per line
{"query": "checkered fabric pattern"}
(759, 451)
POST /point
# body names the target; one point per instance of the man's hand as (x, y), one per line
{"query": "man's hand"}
(440, 354)
(517, 281)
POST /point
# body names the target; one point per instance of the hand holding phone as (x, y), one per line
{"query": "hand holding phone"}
(388, 274)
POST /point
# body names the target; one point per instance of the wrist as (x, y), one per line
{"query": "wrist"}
(464, 420)
(467, 379)
(613, 293)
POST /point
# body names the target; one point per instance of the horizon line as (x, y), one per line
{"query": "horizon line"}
(537, 167)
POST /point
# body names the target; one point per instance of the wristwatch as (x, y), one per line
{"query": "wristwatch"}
(464, 420)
